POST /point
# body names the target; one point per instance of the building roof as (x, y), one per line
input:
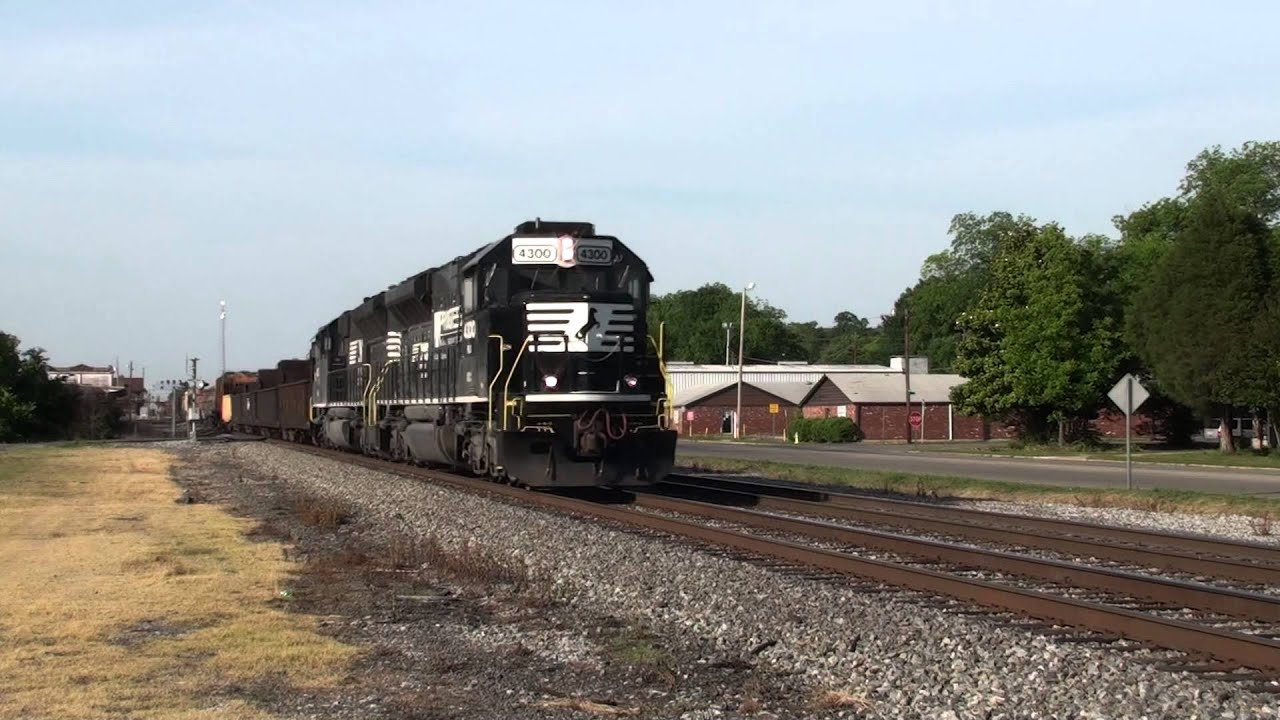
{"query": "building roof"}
(82, 368)
(690, 375)
(792, 393)
(676, 366)
(890, 387)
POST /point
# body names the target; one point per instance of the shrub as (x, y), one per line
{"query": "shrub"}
(825, 430)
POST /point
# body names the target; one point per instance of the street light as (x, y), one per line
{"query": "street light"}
(742, 327)
(727, 327)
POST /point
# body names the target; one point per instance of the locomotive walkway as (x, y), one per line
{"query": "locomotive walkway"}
(1065, 472)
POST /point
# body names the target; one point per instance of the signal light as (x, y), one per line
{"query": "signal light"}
(551, 381)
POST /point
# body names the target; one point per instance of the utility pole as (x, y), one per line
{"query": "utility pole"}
(742, 325)
(728, 326)
(906, 365)
(222, 343)
(191, 398)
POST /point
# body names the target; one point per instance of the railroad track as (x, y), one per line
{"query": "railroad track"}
(1212, 649)
(1194, 555)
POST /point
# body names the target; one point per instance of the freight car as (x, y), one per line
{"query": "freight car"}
(276, 404)
(528, 361)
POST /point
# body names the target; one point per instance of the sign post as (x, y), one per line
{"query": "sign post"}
(1128, 395)
(916, 419)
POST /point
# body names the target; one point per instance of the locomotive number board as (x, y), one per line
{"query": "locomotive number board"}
(564, 251)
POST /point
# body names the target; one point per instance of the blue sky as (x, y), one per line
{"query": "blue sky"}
(293, 157)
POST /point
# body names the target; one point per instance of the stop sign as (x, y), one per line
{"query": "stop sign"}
(915, 418)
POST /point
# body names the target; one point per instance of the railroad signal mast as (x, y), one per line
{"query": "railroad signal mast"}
(190, 388)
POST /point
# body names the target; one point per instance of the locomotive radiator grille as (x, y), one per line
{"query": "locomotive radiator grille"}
(581, 327)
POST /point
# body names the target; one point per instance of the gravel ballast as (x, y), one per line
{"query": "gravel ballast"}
(905, 658)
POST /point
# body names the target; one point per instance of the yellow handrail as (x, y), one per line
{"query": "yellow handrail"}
(666, 381)
(506, 387)
(502, 356)
(371, 393)
(364, 391)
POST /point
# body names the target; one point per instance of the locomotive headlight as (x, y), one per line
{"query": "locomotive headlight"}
(551, 381)
(631, 381)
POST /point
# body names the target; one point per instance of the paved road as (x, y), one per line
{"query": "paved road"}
(1092, 473)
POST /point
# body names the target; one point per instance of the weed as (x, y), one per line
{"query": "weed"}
(838, 699)
(636, 650)
(321, 512)
(1089, 500)
(589, 706)
(1261, 524)
(468, 563)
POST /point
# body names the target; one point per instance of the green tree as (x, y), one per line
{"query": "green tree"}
(1194, 323)
(32, 406)
(1248, 177)
(950, 284)
(1039, 346)
(850, 340)
(695, 320)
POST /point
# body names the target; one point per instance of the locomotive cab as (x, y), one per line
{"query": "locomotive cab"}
(587, 397)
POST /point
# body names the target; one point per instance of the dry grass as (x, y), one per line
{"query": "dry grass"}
(319, 511)
(1262, 525)
(841, 699)
(587, 706)
(468, 564)
(119, 602)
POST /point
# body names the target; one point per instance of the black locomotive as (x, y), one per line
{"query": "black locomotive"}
(528, 361)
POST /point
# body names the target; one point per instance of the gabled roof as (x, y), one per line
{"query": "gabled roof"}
(890, 387)
(792, 393)
(688, 396)
(82, 368)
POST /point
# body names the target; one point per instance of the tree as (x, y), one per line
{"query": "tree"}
(951, 283)
(1039, 346)
(695, 326)
(1193, 324)
(1247, 177)
(32, 406)
(850, 340)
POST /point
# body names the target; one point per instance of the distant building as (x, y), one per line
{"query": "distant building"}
(87, 375)
(705, 401)
(687, 375)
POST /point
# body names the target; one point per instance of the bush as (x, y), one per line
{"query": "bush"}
(825, 430)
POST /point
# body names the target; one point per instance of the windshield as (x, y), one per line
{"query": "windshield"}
(581, 279)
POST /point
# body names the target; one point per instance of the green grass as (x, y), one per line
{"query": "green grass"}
(638, 649)
(1241, 458)
(907, 484)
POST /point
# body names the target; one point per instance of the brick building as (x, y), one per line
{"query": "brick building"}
(877, 402)
(873, 396)
(767, 407)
